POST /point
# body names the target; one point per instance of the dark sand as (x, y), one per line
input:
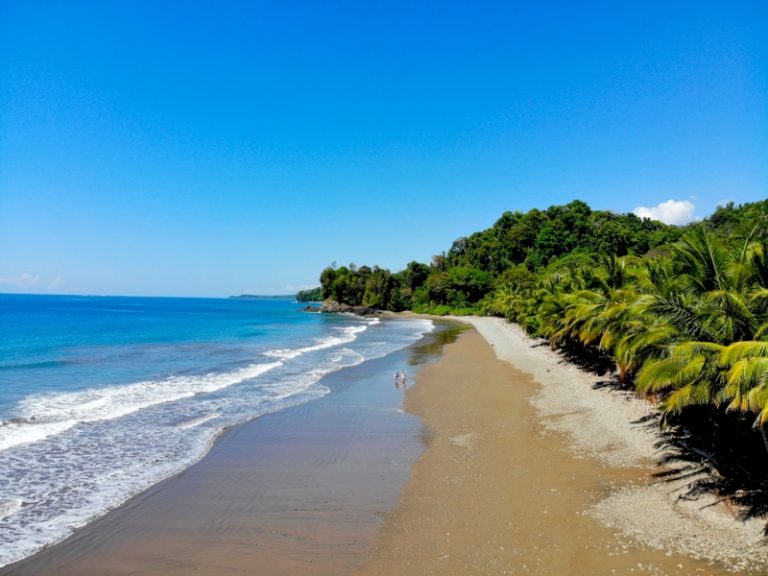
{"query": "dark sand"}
(302, 491)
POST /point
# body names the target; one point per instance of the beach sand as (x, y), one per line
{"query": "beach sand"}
(300, 491)
(606, 425)
(493, 494)
(515, 465)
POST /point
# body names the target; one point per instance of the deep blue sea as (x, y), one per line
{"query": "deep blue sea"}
(101, 397)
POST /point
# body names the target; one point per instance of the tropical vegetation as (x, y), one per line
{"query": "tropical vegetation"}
(310, 295)
(681, 313)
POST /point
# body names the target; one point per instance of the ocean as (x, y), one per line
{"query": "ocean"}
(102, 397)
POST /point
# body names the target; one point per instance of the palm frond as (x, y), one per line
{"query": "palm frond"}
(743, 350)
(731, 317)
(682, 314)
(667, 373)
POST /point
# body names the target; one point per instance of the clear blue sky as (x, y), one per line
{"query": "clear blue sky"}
(214, 148)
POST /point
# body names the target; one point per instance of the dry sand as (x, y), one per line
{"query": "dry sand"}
(604, 424)
(562, 489)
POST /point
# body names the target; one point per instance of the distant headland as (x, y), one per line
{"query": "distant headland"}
(264, 297)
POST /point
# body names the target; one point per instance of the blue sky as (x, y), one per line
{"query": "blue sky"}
(228, 147)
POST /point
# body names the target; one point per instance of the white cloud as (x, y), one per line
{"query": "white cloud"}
(669, 212)
(24, 280)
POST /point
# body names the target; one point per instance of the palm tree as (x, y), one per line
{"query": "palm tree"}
(746, 379)
(720, 318)
(689, 374)
(720, 282)
(551, 300)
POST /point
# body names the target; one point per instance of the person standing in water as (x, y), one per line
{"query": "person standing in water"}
(400, 380)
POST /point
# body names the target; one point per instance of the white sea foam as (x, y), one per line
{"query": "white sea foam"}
(347, 335)
(109, 474)
(198, 421)
(43, 415)
(339, 356)
(9, 507)
(96, 448)
(22, 431)
(280, 390)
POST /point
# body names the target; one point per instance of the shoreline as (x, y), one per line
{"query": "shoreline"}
(497, 492)
(301, 490)
(504, 459)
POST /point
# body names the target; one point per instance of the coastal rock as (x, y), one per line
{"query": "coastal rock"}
(311, 308)
(331, 306)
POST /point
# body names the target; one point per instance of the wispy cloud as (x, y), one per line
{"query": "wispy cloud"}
(24, 281)
(670, 212)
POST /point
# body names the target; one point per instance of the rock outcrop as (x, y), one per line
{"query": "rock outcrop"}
(331, 306)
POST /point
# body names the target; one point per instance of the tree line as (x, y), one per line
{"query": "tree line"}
(680, 313)
(459, 280)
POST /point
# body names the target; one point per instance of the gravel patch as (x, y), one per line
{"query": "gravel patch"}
(655, 517)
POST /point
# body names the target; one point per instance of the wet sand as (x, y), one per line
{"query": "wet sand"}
(301, 491)
(495, 493)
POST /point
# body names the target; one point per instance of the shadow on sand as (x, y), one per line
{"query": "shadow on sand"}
(704, 449)
(717, 454)
(710, 452)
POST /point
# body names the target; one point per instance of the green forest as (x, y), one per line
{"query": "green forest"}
(311, 295)
(680, 314)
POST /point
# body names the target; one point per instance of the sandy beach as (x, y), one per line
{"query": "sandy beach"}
(604, 425)
(300, 491)
(505, 460)
(495, 494)
(540, 472)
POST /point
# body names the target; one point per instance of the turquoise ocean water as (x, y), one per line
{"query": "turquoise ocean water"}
(101, 397)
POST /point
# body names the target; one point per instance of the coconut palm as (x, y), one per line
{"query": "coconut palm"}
(551, 300)
(746, 380)
(720, 318)
(689, 374)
